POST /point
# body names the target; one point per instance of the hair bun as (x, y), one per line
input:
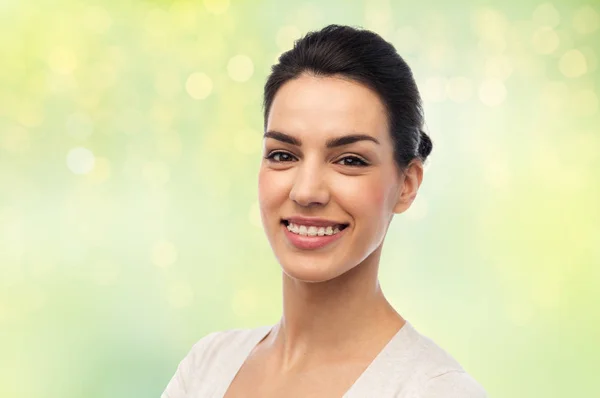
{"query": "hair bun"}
(425, 145)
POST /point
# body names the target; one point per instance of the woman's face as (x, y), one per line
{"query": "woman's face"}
(328, 163)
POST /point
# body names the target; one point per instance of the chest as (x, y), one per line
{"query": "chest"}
(325, 382)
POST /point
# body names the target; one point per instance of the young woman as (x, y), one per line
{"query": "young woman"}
(344, 148)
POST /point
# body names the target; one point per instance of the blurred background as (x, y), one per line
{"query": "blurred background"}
(130, 139)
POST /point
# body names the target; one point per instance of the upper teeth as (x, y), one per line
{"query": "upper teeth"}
(312, 230)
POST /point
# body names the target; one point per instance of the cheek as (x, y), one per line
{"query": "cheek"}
(365, 197)
(262, 185)
(377, 194)
(263, 189)
(271, 190)
(375, 203)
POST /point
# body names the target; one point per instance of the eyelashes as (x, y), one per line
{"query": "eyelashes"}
(276, 156)
(282, 157)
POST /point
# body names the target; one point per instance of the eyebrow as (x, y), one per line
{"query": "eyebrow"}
(330, 143)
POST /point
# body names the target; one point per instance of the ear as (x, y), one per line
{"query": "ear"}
(412, 177)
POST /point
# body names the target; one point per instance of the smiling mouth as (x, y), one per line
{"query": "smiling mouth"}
(313, 230)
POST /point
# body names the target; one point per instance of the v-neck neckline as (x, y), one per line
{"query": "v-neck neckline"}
(263, 331)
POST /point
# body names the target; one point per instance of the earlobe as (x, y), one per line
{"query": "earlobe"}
(413, 176)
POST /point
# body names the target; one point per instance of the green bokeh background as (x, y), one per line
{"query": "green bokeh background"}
(130, 138)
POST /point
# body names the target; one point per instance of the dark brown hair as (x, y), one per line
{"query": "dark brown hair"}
(365, 57)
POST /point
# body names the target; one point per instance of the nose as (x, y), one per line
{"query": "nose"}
(309, 187)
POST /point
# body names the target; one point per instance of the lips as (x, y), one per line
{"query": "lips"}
(308, 242)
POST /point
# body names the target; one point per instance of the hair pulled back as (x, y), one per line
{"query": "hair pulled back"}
(363, 56)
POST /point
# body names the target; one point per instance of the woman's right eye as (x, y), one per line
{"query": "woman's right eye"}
(279, 157)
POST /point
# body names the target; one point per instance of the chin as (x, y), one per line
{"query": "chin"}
(311, 271)
(311, 266)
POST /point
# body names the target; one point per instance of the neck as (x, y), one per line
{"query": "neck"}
(322, 321)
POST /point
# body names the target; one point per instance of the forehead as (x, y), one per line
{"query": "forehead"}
(322, 107)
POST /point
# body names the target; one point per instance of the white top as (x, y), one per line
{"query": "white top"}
(410, 366)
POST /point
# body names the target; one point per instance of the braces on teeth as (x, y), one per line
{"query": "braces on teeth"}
(312, 230)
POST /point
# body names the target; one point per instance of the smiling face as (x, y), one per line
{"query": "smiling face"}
(311, 175)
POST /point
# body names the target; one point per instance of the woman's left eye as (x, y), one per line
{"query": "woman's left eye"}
(353, 161)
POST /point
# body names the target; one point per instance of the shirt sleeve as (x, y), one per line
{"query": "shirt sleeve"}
(453, 384)
(179, 383)
(176, 386)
